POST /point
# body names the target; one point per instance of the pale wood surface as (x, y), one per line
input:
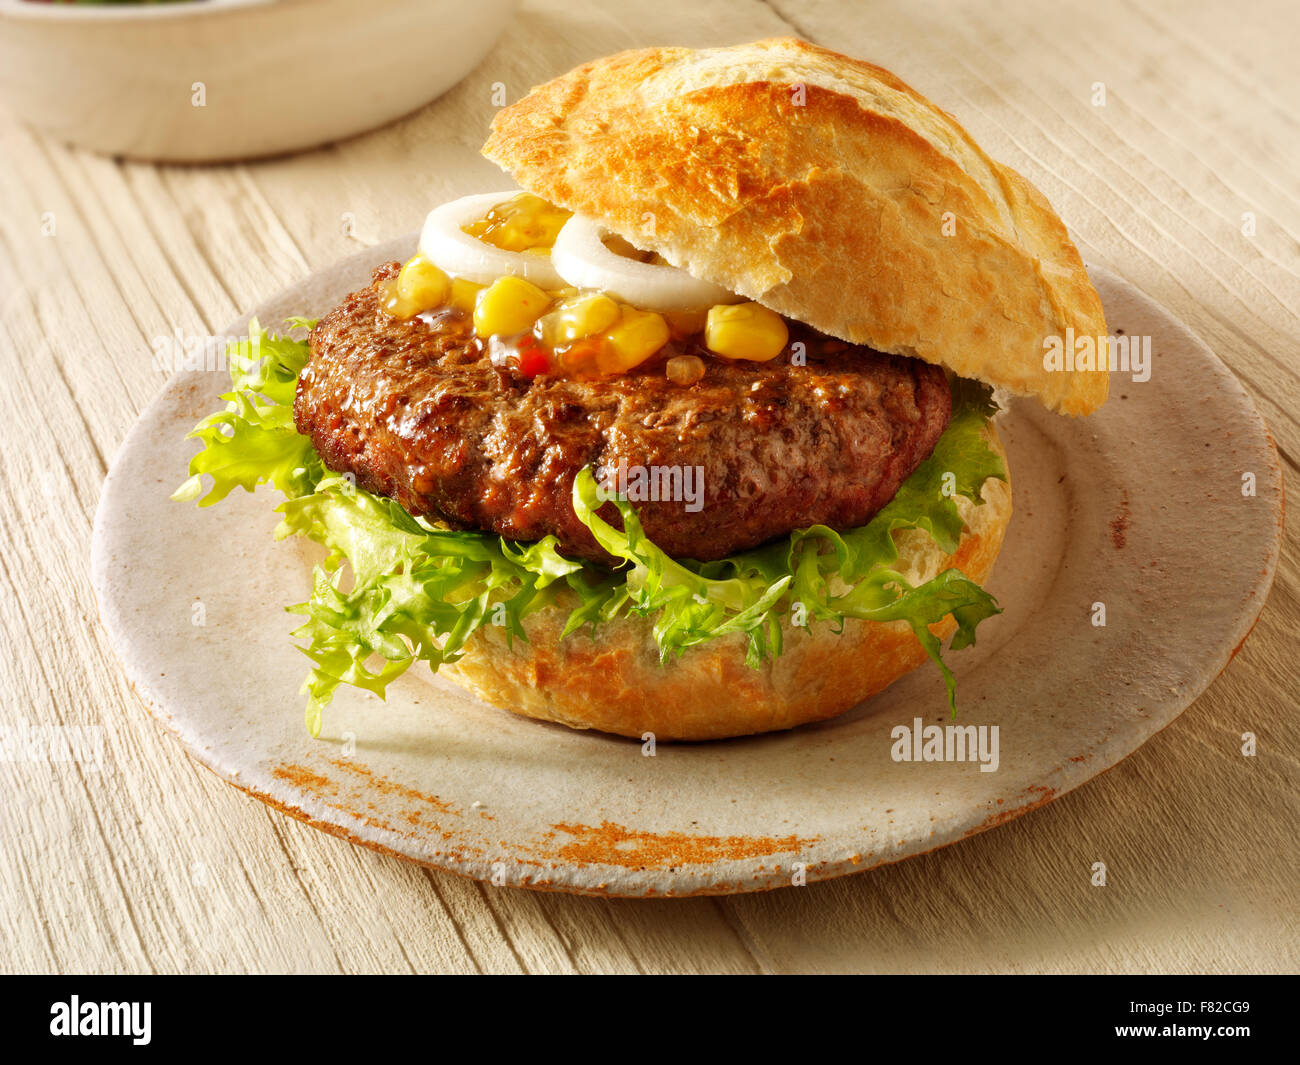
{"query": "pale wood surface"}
(153, 865)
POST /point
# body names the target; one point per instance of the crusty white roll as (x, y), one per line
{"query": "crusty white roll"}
(825, 188)
(614, 682)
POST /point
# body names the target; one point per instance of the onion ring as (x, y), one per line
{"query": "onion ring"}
(581, 258)
(446, 245)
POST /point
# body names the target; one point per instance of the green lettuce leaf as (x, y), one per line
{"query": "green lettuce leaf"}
(394, 589)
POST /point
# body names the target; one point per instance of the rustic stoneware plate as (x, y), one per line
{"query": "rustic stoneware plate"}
(1129, 509)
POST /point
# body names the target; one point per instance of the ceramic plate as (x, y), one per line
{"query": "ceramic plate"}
(1129, 509)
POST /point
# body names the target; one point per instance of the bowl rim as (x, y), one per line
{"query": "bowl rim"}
(141, 12)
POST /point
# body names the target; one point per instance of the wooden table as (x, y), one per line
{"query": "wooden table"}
(151, 864)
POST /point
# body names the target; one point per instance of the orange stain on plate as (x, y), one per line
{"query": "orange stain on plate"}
(388, 787)
(422, 819)
(1119, 525)
(611, 844)
(1038, 795)
(303, 778)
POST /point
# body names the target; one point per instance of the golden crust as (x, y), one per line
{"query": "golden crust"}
(614, 682)
(825, 188)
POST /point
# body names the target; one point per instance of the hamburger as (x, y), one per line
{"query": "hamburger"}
(692, 436)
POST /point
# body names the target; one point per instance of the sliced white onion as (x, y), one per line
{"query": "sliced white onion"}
(450, 248)
(581, 258)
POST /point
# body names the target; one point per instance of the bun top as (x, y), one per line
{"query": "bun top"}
(823, 187)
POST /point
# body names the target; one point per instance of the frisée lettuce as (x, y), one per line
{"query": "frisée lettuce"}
(394, 589)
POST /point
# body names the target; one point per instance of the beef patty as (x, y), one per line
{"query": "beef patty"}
(417, 411)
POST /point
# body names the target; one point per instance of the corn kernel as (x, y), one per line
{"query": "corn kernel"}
(685, 369)
(574, 319)
(463, 295)
(423, 284)
(394, 303)
(745, 331)
(520, 223)
(508, 306)
(686, 323)
(638, 335)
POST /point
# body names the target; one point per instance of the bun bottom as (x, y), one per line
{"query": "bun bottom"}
(614, 682)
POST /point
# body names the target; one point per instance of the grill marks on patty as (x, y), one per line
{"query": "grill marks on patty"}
(418, 413)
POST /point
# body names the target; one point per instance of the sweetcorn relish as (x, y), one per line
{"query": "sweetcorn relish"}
(574, 333)
(523, 223)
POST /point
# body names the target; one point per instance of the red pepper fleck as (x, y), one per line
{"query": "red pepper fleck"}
(533, 359)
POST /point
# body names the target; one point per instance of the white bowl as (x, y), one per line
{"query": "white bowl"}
(203, 80)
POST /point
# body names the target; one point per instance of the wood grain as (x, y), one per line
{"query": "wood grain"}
(150, 864)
